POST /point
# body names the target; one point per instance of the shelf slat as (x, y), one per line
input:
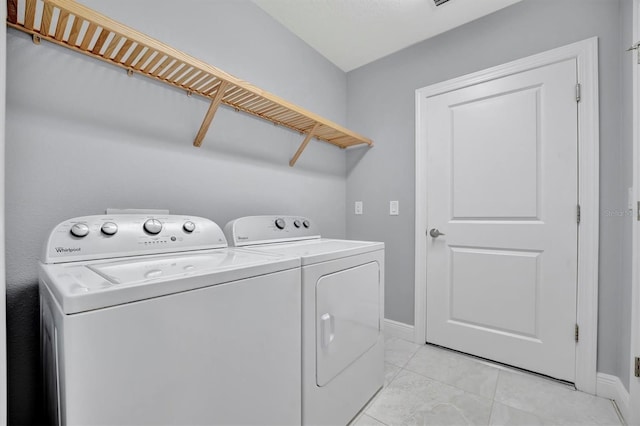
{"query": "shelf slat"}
(169, 65)
(30, 14)
(12, 10)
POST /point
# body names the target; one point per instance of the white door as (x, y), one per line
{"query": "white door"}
(502, 189)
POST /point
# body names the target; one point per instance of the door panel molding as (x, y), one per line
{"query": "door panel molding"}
(586, 55)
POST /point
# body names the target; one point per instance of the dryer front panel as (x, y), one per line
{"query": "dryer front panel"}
(347, 318)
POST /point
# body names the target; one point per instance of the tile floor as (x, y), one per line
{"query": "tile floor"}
(425, 385)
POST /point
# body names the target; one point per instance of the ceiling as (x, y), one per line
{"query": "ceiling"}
(352, 33)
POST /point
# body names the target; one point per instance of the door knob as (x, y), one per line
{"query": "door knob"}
(435, 233)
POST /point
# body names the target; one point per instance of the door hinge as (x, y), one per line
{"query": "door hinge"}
(577, 333)
(638, 211)
(578, 214)
(637, 367)
(635, 48)
(578, 92)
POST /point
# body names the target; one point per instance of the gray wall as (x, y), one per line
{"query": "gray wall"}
(381, 105)
(628, 60)
(82, 136)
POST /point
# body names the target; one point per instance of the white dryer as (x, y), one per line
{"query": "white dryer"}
(342, 312)
(152, 320)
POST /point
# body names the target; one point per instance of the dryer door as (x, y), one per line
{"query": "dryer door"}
(347, 318)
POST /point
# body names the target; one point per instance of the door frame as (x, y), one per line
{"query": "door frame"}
(634, 383)
(586, 55)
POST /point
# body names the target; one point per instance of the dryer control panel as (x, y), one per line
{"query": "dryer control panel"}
(122, 235)
(252, 230)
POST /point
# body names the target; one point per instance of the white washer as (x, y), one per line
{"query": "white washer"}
(152, 320)
(342, 312)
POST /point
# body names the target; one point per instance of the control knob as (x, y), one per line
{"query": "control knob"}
(189, 226)
(280, 223)
(306, 223)
(297, 223)
(79, 230)
(109, 228)
(153, 226)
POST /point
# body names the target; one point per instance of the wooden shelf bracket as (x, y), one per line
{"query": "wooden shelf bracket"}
(215, 103)
(304, 144)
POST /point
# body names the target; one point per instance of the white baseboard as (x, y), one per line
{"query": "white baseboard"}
(398, 329)
(611, 387)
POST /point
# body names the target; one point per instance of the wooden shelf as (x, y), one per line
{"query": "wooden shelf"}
(75, 26)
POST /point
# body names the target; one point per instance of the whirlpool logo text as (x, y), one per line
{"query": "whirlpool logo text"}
(67, 249)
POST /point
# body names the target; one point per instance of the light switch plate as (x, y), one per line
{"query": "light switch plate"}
(394, 208)
(358, 207)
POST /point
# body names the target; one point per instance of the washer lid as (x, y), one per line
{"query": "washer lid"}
(84, 286)
(320, 250)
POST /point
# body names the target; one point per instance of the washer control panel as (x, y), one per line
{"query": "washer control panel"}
(251, 230)
(108, 236)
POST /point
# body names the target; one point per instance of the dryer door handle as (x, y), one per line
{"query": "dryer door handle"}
(327, 325)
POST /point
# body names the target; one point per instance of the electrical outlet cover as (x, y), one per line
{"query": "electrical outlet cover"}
(358, 207)
(394, 208)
